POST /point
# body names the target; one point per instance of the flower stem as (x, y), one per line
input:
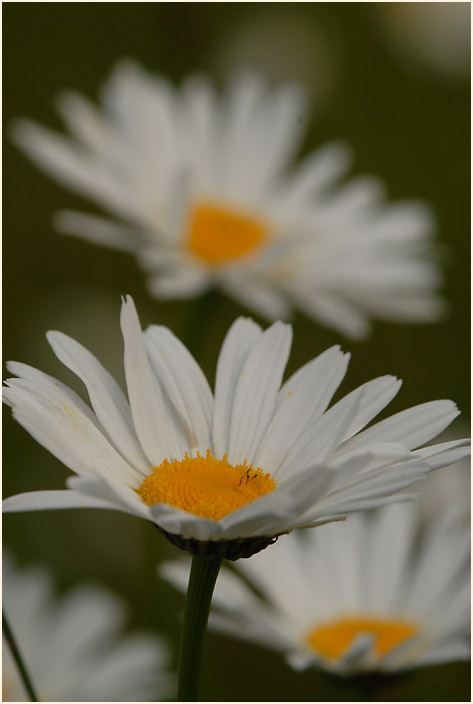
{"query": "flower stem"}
(202, 580)
(200, 316)
(10, 638)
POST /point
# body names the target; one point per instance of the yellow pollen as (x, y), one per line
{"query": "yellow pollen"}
(219, 234)
(205, 486)
(333, 639)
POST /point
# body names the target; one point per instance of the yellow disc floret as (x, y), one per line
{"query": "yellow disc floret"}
(205, 486)
(332, 640)
(219, 234)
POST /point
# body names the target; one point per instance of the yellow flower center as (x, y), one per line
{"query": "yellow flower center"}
(333, 639)
(218, 234)
(205, 486)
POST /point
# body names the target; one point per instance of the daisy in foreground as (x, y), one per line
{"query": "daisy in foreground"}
(73, 645)
(222, 475)
(202, 193)
(226, 472)
(353, 597)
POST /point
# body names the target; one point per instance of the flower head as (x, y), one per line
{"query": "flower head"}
(72, 644)
(203, 186)
(247, 463)
(377, 592)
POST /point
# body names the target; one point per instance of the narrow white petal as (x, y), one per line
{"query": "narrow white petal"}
(98, 230)
(377, 393)
(443, 652)
(319, 441)
(258, 295)
(183, 282)
(156, 423)
(301, 400)
(71, 433)
(445, 453)
(70, 165)
(108, 400)
(55, 499)
(255, 392)
(282, 509)
(318, 171)
(411, 427)
(332, 310)
(184, 383)
(186, 525)
(240, 339)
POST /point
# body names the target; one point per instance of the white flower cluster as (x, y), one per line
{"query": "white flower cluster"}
(201, 190)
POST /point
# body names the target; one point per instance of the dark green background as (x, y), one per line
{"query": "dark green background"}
(406, 123)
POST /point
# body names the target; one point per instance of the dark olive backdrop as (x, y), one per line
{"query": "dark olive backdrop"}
(406, 123)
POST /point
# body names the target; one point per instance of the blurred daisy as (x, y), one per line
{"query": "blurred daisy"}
(203, 186)
(73, 645)
(252, 461)
(354, 596)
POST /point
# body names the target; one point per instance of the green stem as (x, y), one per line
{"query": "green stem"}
(197, 324)
(202, 580)
(10, 638)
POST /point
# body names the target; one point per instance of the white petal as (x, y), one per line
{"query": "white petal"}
(255, 392)
(183, 282)
(240, 339)
(108, 400)
(301, 400)
(319, 441)
(98, 230)
(70, 165)
(445, 453)
(46, 500)
(159, 430)
(377, 393)
(260, 296)
(184, 383)
(318, 171)
(54, 417)
(282, 509)
(332, 311)
(411, 427)
(443, 652)
(186, 525)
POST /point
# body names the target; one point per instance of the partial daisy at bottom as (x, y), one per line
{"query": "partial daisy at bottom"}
(74, 645)
(377, 592)
(223, 474)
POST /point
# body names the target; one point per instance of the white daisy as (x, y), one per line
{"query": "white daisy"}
(73, 646)
(251, 461)
(203, 186)
(355, 596)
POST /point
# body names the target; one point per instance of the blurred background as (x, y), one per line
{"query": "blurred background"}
(391, 80)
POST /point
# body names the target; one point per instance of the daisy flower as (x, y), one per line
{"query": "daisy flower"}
(73, 645)
(201, 191)
(227, 471)
(366, 594)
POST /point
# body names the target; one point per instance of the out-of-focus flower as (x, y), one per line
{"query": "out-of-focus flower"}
(73, 646)
(352, 597)
(204, 187)
(250, 462)
(437, 34)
